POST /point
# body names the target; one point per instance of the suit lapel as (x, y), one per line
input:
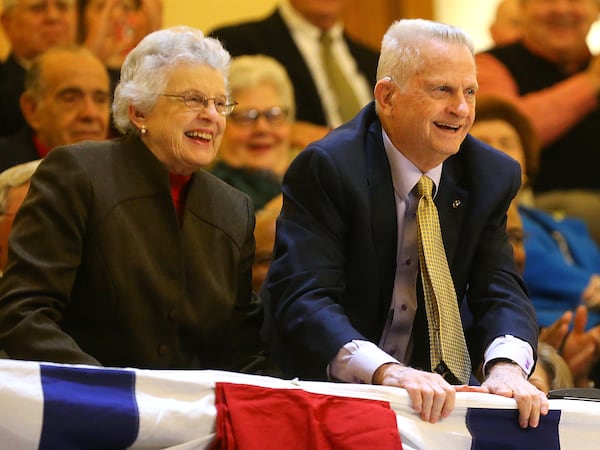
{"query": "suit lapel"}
(383, 210)
(451, 203)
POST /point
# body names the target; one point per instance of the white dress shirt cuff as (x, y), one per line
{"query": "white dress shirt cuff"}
(512, 348)
(357, 361)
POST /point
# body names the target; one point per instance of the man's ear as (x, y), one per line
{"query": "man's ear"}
(30, 110)
(137, 117)
(384, 92)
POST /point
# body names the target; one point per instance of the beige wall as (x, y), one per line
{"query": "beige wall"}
(207, 15)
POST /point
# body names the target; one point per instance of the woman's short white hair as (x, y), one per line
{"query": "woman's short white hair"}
(248, 71)
(144, 73)
(401, 47)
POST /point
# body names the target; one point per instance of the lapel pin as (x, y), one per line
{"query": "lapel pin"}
(456, 204)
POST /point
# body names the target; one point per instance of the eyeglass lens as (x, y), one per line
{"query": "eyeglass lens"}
(274, 115)
(201, 101)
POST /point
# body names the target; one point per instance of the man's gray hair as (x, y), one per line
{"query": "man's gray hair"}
(14, 177)
(145, 71)
(401, 47)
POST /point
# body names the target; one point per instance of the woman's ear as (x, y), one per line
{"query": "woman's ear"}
(137, 117)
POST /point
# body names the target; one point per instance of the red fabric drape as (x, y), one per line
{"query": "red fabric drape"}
(258, 418)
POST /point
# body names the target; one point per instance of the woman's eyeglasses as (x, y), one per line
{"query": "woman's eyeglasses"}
(275, 116)
(196, 101)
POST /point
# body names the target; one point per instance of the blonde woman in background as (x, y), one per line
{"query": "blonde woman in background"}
(256, 148)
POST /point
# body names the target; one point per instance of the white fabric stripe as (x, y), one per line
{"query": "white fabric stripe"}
(21, 405)
(177, 409)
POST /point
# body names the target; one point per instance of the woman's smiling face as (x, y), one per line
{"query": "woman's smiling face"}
(264, 142)
(181, 138)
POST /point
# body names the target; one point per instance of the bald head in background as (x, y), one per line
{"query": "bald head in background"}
(67, 97)
(66, 100)
(31, 27)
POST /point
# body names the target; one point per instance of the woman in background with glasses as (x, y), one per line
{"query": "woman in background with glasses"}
(255, 152)
(126, 252)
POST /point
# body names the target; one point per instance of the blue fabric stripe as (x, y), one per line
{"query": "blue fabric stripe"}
(498, 429)
(88, 408)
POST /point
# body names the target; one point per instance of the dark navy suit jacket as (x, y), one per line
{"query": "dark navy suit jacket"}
(272, 37)
(334, 264)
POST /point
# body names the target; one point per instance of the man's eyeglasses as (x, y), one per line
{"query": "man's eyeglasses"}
(199, 102)
(275, 115)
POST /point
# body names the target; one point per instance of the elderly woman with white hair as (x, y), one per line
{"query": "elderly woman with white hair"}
(256, 148)
(126, 252)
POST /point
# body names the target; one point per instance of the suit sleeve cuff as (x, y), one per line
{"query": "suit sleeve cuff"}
(510, 348)
(357, 361)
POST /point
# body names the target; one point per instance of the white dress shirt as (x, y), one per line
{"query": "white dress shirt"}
(357, 361)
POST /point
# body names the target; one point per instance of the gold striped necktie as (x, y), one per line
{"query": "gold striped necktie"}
(348, 103)
(448, 349)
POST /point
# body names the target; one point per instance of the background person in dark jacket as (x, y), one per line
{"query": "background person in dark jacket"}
(292, 35)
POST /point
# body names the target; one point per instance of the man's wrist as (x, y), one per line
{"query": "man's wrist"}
(501, 361)
(379, 374)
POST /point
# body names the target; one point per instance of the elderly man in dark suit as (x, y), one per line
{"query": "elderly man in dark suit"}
(292, 34)
(345, 297)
